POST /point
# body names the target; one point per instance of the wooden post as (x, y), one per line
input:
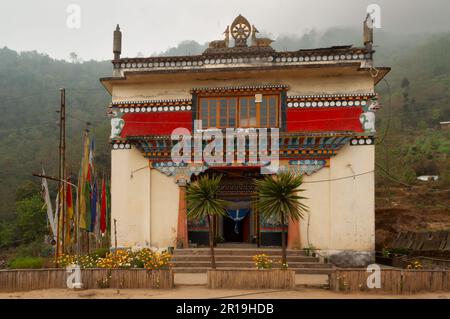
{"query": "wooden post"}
(182, 231)
(293, 234)
(115, 240)
(63, 168)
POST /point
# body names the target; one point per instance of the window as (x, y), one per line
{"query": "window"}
(239, 111)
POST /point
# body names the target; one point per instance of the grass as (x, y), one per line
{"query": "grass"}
(26, 263)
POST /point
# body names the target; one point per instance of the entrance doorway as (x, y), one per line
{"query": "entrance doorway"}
(242, 223)
(233, 231)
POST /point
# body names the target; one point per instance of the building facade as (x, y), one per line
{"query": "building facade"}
(320, 101)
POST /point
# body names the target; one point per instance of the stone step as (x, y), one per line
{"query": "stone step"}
(243, 264)
(237, 251)
(290, 258)
(308, 271)
(237, 245)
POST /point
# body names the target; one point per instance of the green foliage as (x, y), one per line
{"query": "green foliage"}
(393, 252)
(26, 190)
(100, 253)
(34, 249)
(31, 219)
(203, 202)
(26, 263)
(278, 197)
(7, 234)
(28, 226)
(202, 199)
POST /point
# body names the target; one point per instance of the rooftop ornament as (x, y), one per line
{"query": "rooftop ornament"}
(240, 31)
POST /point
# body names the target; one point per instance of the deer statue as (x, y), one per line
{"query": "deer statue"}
(220, 44)
(259, 42)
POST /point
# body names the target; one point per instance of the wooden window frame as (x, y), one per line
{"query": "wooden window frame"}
(237, 98)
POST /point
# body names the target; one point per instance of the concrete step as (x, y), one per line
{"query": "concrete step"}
(237, 251)
(243, 264)
(236, 245)
(243, 258)
(308, 271)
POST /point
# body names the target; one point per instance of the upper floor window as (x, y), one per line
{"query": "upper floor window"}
(239, 111)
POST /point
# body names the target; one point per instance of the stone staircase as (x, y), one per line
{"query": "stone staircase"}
(197, 260)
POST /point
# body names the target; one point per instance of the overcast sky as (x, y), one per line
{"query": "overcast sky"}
(154, 25)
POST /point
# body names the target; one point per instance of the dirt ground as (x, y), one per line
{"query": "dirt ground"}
(409, 209)
(197, 292)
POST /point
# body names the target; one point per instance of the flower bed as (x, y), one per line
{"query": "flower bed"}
(93, 278)
(122, 258)
(123, 268)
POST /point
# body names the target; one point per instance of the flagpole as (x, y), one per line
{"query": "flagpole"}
(63, 167)
(63, 182)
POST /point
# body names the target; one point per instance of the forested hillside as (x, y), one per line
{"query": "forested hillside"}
(29, 101)
(418, 99)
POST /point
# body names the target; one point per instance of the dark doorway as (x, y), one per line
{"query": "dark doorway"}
(229, 231)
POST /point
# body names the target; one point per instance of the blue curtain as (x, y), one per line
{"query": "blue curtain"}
(237, 215)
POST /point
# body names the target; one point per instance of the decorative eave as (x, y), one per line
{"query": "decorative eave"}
(239, 89)
(292, 145)
(151, 103)
(329, 100)
(293, 101)
(232, 58)
(133, 75)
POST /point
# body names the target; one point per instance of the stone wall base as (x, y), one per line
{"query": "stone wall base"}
(349, 258)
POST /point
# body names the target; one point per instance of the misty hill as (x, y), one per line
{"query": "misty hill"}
(29, 99)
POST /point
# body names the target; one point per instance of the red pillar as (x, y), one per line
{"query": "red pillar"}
(293, 240)
(182, 231)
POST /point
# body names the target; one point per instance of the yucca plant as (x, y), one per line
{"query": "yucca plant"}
(203, 202)
(278, 199)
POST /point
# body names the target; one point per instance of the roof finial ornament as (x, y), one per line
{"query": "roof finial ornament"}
(117, 43)
(368, 32)
(220, 44)
(259, 42)
(240, 31)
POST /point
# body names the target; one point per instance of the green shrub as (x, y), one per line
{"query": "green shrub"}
(100, 252)
(34, 249)
(26, 263)
(7, 234)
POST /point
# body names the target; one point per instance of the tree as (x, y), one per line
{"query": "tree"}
(31, 219)
(7, 234)
(74, 58)
(26, 190)
(277, 198)
(406, 119)
(203, 202)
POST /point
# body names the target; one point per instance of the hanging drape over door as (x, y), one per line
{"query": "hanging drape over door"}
(237, 215)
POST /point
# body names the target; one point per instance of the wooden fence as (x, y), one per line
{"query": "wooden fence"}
(22, 280)
(398, 281)
(251, 279)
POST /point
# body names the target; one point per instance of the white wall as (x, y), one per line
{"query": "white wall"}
(342, 212)
(130, 200)
(300, 82)
(164, 209)
(145, 205)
